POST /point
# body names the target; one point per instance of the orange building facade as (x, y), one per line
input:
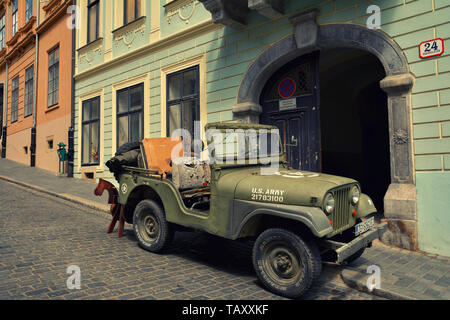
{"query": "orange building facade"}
(18, 55)
(36, 79)
(54, 87)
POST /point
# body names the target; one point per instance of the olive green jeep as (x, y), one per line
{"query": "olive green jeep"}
(296, 219)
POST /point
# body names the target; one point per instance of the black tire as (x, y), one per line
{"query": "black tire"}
(298, 262)
(127, 147)
(152, 230)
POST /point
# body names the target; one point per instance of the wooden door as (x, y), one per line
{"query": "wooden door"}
(290, 101)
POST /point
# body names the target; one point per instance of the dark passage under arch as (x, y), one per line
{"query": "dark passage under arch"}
(354, 120)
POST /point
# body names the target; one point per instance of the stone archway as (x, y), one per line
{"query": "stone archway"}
(308, 36)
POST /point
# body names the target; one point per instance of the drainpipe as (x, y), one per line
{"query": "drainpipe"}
(5, 92)
(36, 56)
(70, 148)
(5, 112)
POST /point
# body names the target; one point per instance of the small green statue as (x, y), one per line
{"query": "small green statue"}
(62, 155)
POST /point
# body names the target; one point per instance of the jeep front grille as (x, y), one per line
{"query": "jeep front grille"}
(341, 214)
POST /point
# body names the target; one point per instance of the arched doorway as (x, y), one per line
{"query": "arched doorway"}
(400, 200)
(334, 116)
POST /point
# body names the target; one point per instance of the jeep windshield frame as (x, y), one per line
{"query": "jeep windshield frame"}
(243, 144)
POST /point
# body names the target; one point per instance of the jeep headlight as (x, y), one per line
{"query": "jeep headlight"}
(355, 195)
(329, 204)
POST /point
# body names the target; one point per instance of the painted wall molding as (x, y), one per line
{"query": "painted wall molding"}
(183, 9)
(127, 33)
(151, 48)
(88, 52)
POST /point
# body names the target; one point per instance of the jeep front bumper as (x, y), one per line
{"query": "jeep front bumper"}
(345, 250)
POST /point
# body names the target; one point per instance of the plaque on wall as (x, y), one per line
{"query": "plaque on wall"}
(287, 104)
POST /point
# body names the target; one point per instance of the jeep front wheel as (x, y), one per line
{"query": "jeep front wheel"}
(286, 264)
(150, 226)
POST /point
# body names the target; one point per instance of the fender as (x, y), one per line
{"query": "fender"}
(312, 217)
(365, 206)
(129, 183)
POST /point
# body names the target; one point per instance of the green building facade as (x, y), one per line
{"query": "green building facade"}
(351, 97)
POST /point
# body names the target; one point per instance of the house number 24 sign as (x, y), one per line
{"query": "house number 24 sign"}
(431, 48)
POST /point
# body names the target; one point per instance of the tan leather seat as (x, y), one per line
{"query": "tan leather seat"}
(157, 153)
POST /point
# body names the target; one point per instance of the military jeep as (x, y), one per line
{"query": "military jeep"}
(296, 219)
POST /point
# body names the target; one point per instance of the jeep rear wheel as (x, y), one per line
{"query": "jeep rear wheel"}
(150, 226)
(285, 263)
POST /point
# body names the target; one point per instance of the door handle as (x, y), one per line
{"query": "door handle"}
(294, 142)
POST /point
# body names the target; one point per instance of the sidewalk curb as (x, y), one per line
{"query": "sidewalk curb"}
(64, 196)
(357, 279)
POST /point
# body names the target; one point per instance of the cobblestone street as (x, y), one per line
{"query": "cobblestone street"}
(42, 235)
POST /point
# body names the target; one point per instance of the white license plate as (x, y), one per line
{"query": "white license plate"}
(364, 226)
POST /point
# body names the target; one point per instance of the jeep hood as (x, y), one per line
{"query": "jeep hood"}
(285, 186)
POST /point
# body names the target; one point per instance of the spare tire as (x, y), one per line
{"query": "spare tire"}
(127, 147)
